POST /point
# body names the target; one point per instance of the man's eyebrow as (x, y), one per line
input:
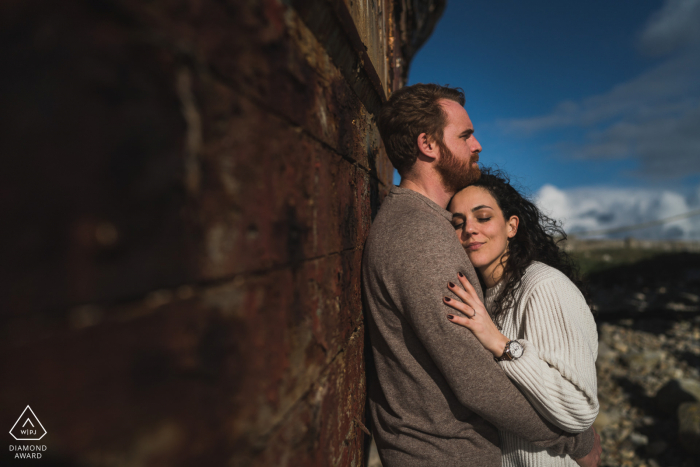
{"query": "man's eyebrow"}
(481, 207)
(467, 133)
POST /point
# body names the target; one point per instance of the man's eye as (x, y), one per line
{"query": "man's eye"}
(458, 226)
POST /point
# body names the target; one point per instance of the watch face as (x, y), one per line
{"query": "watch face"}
(516, 350)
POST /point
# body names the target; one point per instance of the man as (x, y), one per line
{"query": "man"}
(438, 396)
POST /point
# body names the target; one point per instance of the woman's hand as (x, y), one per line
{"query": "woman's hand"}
(478, 320)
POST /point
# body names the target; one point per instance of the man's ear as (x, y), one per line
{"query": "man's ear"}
(427, 146)
(513, 223)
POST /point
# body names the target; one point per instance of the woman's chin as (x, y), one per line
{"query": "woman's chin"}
(475, 259)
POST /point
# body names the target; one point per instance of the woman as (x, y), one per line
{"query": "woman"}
(545, 338)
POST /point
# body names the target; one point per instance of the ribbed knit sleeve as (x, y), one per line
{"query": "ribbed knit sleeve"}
(557, 370)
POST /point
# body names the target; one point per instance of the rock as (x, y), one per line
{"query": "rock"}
(689, 426)
(690, 297)
(606, 419)
(675, 306)
(657, 447)
(638, 439)
(644, 361)
(676, 392)
(605, 352)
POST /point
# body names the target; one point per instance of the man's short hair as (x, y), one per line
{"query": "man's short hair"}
(410, 111)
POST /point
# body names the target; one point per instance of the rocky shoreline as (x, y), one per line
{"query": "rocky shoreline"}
(649, 392)
(649, 361)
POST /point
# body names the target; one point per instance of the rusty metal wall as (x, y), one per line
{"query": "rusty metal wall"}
(186, 189)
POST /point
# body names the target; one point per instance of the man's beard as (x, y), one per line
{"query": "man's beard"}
(456, 174)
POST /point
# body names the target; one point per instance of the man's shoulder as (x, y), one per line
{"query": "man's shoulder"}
(408, 236)
(409, 215)
(403, 227)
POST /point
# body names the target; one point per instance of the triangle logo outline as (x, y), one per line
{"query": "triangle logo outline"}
(35, 418)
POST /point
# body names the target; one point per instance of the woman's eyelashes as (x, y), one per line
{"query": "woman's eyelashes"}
(461, 225)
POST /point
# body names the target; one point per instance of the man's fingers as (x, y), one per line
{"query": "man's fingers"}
(592, 459)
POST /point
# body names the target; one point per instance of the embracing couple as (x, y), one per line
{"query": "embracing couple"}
(483, 344)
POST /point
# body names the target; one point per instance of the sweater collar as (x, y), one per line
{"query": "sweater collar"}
(397, 190)
(492, 293)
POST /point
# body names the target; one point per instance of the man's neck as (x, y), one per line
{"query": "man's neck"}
(433, 191)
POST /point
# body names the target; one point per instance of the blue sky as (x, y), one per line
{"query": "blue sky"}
(580, 96)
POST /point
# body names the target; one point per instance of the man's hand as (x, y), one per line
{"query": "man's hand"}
(592, 459)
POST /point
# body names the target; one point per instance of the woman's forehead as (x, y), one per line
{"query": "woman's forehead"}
(470, 197)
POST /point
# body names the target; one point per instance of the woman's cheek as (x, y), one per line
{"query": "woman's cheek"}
(474, 257)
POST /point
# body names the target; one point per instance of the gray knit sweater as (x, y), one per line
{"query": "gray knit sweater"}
(438, 398)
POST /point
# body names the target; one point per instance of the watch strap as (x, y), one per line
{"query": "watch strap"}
(506, 353)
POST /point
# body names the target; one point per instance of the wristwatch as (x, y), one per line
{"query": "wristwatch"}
(513, 351)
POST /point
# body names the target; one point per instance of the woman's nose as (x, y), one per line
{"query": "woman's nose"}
(467, 230)
(470, 228)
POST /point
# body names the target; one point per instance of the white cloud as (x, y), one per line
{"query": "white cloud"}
(653, 118)
(672, 27)
(596, 208)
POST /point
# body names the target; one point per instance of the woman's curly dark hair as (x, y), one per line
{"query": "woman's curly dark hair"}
(537, 239)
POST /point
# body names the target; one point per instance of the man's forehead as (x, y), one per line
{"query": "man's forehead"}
(456, 114)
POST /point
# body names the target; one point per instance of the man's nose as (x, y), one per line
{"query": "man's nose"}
(475, 146)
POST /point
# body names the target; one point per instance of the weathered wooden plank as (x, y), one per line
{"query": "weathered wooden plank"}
(320, 430)
(261, 202)
(288, 197)
(252, 347)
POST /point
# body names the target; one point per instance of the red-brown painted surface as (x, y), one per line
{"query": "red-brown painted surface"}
(186, 189)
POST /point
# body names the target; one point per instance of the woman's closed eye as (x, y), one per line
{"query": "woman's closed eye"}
(460, 225)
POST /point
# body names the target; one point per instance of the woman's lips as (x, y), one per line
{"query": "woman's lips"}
(474, 246)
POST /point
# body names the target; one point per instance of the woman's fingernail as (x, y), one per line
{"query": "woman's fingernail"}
(450, 316)
(460, 274)
(451, 284)
(448, 299)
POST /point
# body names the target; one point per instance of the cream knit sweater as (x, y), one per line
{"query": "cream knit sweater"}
(557, 370)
